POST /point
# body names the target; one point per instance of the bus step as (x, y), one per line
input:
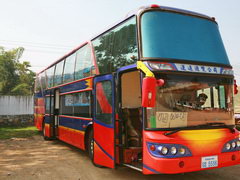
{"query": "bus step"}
(133, 167)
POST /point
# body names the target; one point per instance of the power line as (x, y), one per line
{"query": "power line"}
(37, 44)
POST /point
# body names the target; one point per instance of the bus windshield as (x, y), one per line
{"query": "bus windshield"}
(190, 101)
(181, 37)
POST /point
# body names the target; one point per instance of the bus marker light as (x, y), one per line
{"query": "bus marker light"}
(155, 6)
(152, 148)
(233, 157)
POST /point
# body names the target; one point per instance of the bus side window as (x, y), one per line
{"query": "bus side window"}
(83, 62)
(104, 102)
(68, 72)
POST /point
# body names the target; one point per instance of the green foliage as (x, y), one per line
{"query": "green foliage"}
(15, 78)
(17, 132)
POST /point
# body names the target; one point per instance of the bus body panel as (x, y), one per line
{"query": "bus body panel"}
(72, 130)
(201, 143)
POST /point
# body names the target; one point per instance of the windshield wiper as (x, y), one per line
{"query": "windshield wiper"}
(216, 124)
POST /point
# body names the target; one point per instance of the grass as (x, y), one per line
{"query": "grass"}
(17, 132)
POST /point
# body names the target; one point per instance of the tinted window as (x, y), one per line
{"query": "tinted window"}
(104, 102)
(66, 107)
(43, 80)
(58, 73)
(117, 47)
(77, 104)
(81, 103)
(177, 36)
(84, 65)
(37, 84)
(69, 68)
(49, 74)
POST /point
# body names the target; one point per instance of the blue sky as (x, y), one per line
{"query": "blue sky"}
(48, 29)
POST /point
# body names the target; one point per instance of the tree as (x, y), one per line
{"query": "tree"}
(15, 78)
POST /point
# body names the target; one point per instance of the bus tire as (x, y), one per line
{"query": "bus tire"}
(90, 144)
(44, 133)
(90, 148)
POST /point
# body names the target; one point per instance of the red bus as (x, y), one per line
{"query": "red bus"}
(154, 93)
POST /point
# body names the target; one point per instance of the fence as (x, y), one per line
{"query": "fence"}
(16, 110)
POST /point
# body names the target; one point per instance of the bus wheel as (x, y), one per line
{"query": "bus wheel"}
(90, 148)
(44, 133)
(90, 144)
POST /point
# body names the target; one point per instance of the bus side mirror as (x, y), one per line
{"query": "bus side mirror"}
(149, 91)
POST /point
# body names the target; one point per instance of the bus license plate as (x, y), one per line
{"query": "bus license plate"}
(209, 161)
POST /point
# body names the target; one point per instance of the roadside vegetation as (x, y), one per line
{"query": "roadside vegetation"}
(17, 132)
(15, 78)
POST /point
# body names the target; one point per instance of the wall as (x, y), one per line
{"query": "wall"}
(16, 110)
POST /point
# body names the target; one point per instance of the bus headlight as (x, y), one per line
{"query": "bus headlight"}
(233, 144)
(228, 146)
(164, 150)
(173, 150)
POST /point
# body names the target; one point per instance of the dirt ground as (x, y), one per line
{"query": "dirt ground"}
(36, 159)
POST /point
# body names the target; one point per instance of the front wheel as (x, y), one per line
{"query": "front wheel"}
(90, 148)
(90, 145)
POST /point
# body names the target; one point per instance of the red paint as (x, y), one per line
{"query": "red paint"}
(102, 99)
(73, 137)
(106, 141)
(193, 163)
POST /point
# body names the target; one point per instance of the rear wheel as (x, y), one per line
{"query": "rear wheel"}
(44, 132)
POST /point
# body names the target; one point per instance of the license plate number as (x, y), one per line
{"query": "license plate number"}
(209, 161)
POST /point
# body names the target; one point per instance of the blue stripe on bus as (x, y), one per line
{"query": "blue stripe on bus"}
(75, 86)
(105, 152)
(132, 66)
(47, 119)
(73, 123)
(103, 124)
(150, 169)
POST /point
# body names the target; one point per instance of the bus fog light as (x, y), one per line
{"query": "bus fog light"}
(182, 151)
(228, 146)
(233, 144)
(173, 150)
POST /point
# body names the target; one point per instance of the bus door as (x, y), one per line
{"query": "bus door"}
(49, 116)
(51, 119)
(103, 121)
(56, 112)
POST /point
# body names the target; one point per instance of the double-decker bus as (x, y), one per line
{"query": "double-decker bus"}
(154, 93)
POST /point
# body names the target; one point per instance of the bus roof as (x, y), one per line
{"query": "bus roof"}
(131, 14)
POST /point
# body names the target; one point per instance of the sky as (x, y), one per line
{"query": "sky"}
(49, 29)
